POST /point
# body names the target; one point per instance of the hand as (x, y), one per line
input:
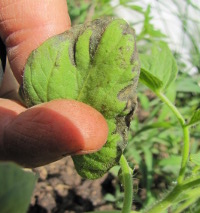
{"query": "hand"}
(47, 132)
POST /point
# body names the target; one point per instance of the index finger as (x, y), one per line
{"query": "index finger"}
(25, 24)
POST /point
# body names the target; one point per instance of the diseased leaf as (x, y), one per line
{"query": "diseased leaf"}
(158, 67)
(16, 187)
(96, 64)
(195, 118)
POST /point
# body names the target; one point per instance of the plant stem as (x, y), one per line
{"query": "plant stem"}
(166, 202)
(172, 107)
(185, 154)
(191, 179)
(171, 197)
(128, 185)
(186, 204)
(186, 135)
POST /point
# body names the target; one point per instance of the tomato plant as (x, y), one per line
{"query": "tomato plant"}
(158, 73)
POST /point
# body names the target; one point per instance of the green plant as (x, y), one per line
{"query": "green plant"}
(16, 188)
(159, 135)
(158, 83)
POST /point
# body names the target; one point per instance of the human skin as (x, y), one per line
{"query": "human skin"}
(24, 25)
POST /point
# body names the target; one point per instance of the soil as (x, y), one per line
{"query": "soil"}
(61, 190)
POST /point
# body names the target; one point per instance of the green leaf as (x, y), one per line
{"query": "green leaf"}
(96, 64)
(195, 118)
(16, 187)
(158, 67)
(150, 80)
(195, 158)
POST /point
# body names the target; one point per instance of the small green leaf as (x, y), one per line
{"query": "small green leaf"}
(16, 187)
(195, 118)
(195, 158)
(150, 80)
(97, 64)
(158, 67)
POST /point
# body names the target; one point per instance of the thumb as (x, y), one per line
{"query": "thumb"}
(25, 24)
(49, 131)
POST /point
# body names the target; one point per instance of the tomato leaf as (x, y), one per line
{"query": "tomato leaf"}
(96, 64)
(16, 188)
(158, 67)
(150, 80)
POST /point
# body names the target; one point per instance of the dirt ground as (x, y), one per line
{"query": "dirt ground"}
(61, 190)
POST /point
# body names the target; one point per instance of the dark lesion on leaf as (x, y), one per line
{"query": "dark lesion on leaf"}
(98, 27)
(128, 30)
(129, 95)
(103, 109)
(123, 123)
